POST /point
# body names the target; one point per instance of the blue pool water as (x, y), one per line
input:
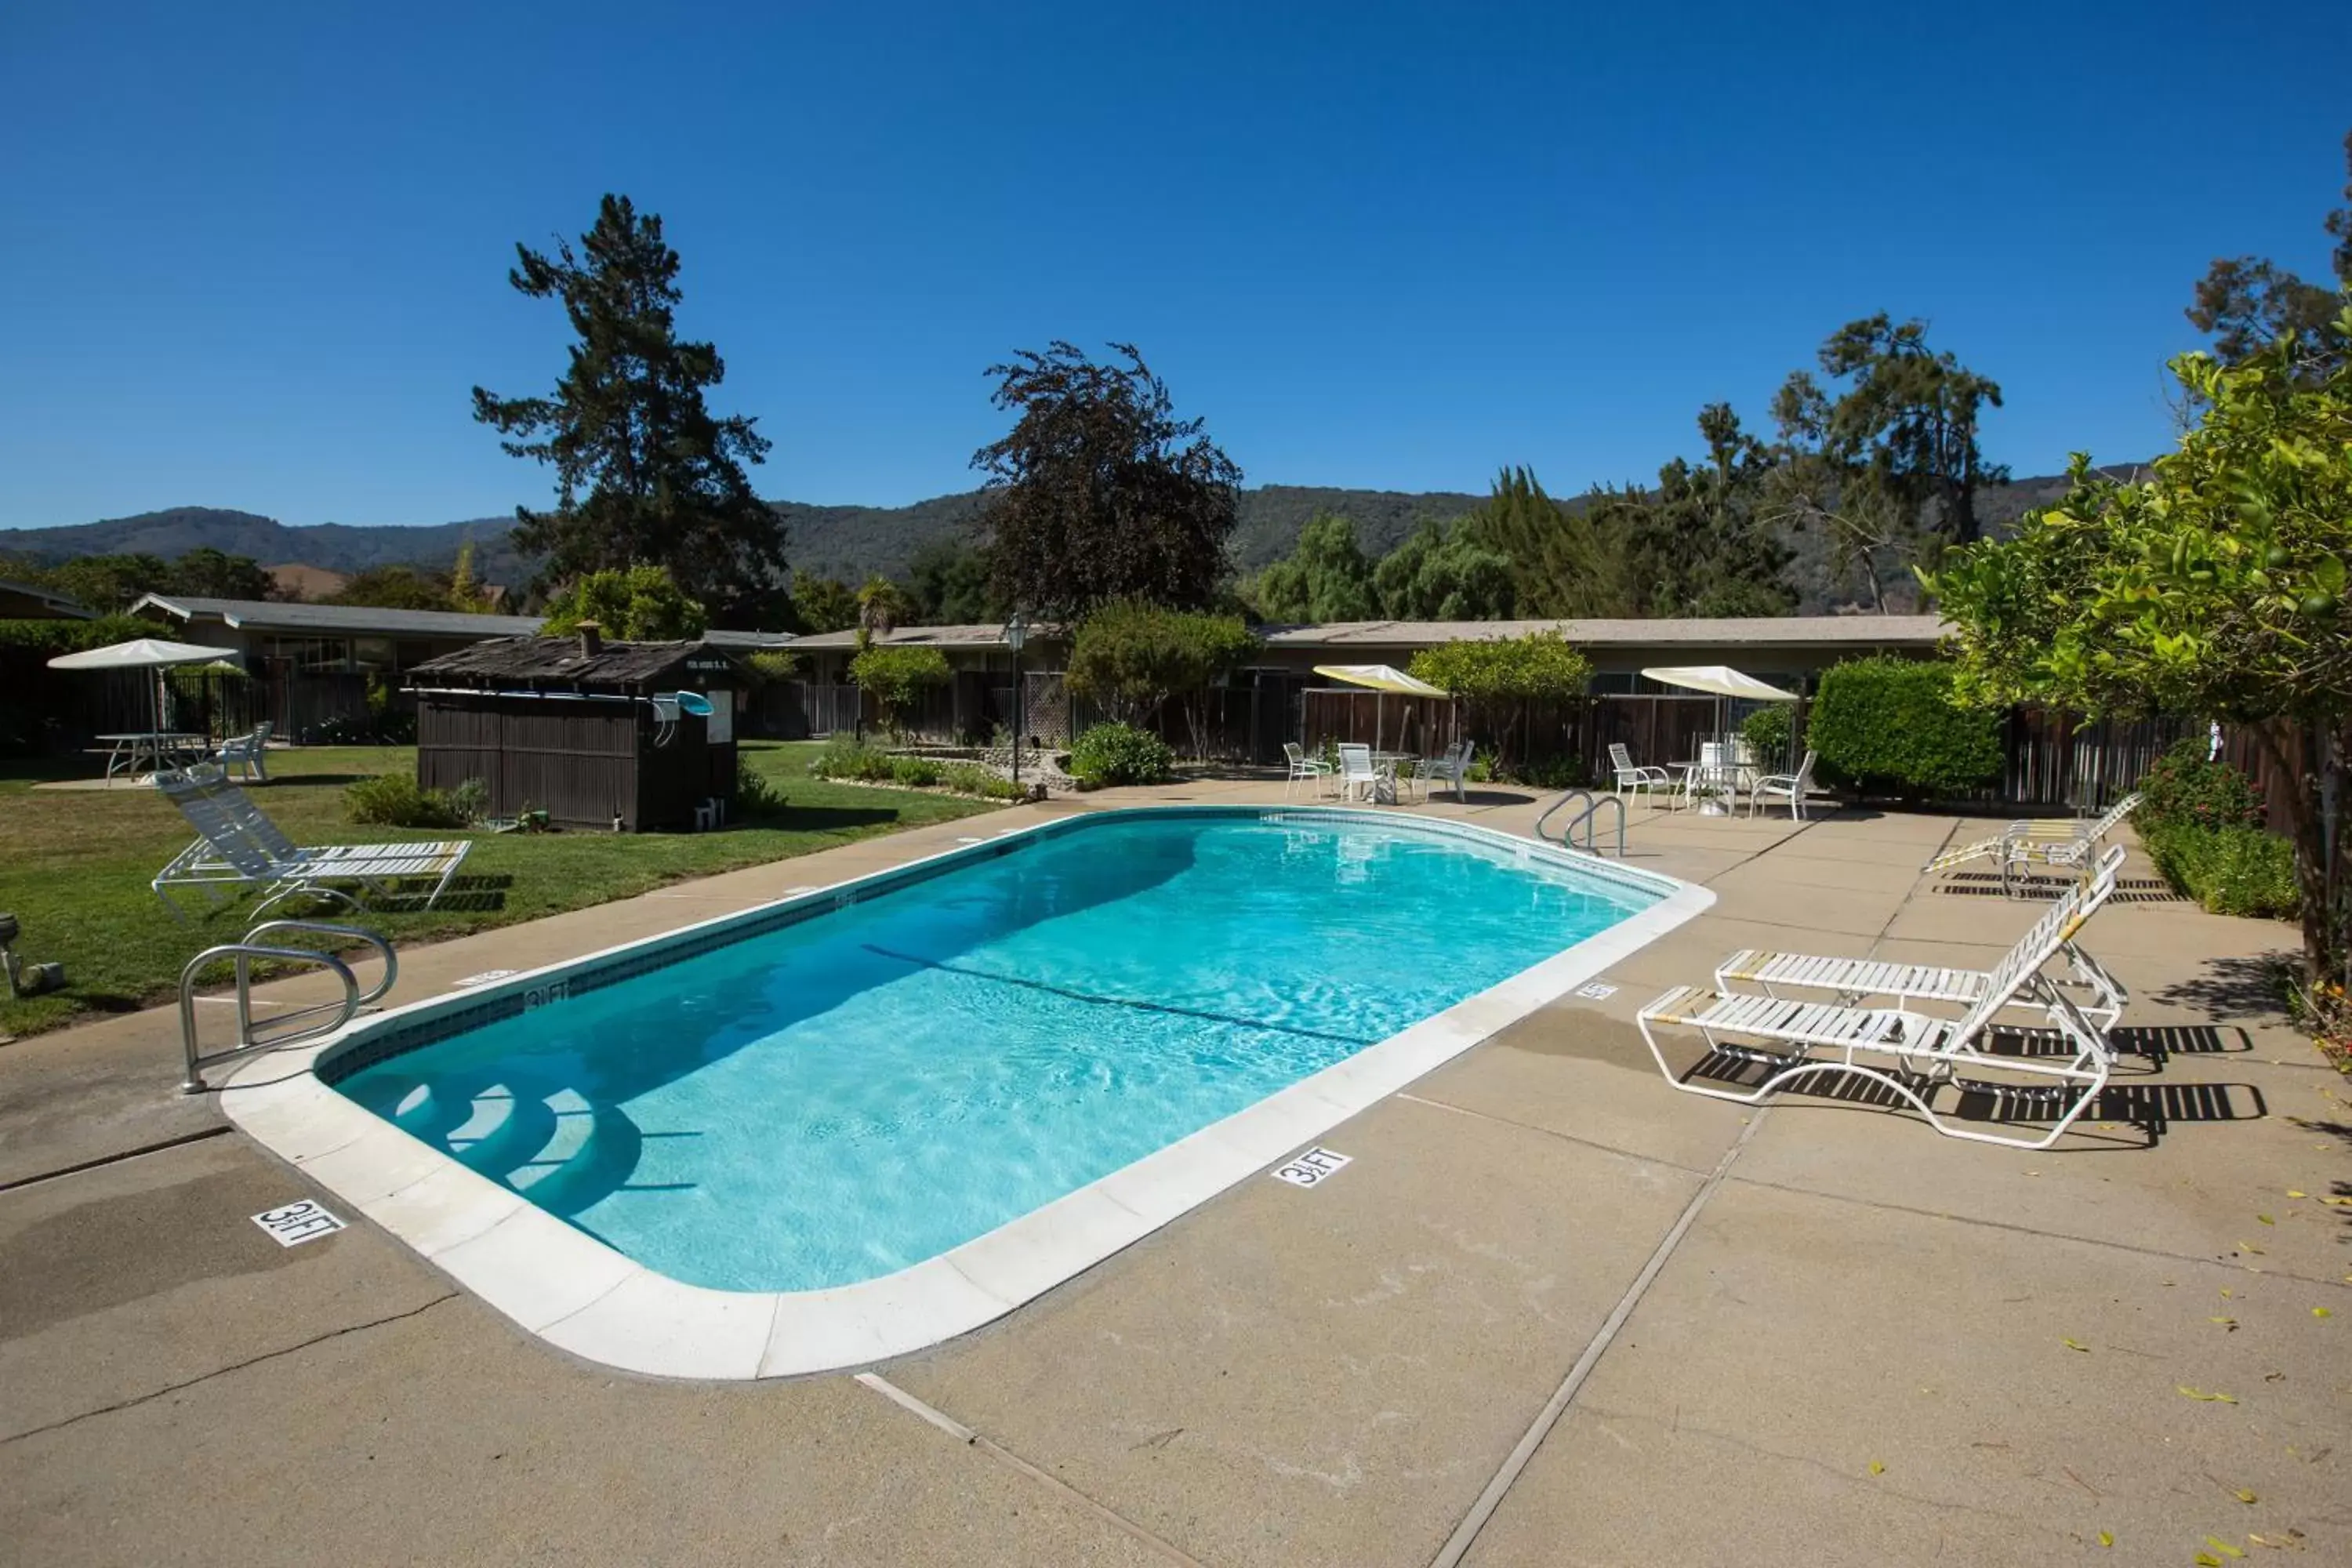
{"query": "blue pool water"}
(854, 1093)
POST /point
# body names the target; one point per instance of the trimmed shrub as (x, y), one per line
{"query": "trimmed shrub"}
(971, 778)
(756, 794)
(894, 677)
(1120, 755)
(844, 757)
(915, 773)
(2185, 788)
(1891, 726)
(2228, 870)
(1769, 729)
(394, 801)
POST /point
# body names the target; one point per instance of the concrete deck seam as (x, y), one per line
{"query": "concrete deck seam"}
(1007, 1457)
(1554, 1132)
(1465, 1534)
(225, 1371)
(182, 1141)
(1458, 1544)
(2168, 1257)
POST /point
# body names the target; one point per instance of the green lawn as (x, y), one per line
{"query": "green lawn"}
(75, 867)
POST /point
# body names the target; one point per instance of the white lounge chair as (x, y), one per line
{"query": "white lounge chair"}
(1629, 776)
(237, 846)
(2099, 996)
(1312, 770)
(2059, 842)
(1799, 1039)
(250, 752)
(1356, 772)
(1791, 787)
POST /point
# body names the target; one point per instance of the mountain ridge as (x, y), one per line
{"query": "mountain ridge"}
(853, 542)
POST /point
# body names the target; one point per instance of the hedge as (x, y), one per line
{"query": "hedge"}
(1890, 726)
(2228, 870)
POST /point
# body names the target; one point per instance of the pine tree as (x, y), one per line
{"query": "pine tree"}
(646, 475)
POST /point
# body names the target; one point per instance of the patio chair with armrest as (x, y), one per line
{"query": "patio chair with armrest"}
(1629, 776)
(250, 752)
(1791, 787)
(1357, 772)
(1311, 770)
(1798, 1039)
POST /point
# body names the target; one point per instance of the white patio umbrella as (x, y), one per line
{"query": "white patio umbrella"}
(1382, 678)
(1722, 683)
(144, 653)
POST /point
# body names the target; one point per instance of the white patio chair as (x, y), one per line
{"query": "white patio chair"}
(248, 752)
(1921, 1053)
(1312, 770)
(1631, 776)
(237, 846)
(2058, 841)
(1791, 787)
(1712, 774)
(2100, 996)
(1356, 772)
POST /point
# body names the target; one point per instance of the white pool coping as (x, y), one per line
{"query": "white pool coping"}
(575, 1292)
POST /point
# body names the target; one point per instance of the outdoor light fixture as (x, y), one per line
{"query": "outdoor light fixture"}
(1016, 632)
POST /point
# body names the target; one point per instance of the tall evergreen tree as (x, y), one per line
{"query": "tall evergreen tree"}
(2250, 303)
(1560, 563)
(1700, 545)
(1326, 577)
(1098, 492)
(646, 475)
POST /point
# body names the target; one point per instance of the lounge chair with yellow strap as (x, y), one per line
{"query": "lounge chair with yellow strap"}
(1912, 1054)
(2059, 842)
(2100, 996)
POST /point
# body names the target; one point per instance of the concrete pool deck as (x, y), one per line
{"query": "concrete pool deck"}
(1552, 1312)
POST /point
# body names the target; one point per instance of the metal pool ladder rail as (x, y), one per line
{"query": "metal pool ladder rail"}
(287, 1027)
(1592, 805)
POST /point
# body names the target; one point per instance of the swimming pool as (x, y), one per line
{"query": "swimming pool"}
(931, 1094)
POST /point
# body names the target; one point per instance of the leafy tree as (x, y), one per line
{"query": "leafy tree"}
(896, 677)
(2214, 588)
(1497, 679)
(946, 585)
(1441, 572)
(211, 573)
(394, 588)
(646, 475)
(823, 603)
(1700, 545)
(1560, 566)
(1908, 414)
(465, 589)
(107, 582)
(881, 606)
(1131, 656)
(1326, 577)
(642, 603)
(1099, 492)
(2252, 306)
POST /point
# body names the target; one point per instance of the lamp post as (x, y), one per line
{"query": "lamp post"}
(1016, 632)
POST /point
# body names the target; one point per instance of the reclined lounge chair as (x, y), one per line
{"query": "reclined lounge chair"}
(1912, 1054)
(2058, 841)
(237, 846)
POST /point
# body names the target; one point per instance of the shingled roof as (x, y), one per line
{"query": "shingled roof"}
(559, 664)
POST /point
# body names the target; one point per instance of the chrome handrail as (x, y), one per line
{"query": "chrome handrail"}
(279, 1030)
(1593, 801)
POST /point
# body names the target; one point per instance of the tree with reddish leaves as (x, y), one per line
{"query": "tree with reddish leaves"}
(1099, 492)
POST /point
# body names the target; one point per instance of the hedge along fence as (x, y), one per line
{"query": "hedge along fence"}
(1890, 726)
(43, 709)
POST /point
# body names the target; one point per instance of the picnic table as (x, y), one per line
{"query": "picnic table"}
(159, 749)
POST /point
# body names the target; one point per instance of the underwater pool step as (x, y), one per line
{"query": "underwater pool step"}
(567, 1147)
(499, 1128)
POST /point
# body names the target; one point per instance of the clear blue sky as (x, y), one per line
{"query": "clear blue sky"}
(258, 261)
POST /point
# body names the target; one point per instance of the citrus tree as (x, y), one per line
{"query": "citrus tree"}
(1131, 656)
(896, 677)
(2215, 587)
(1497, 679)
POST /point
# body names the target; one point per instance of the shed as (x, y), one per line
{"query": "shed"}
(585, 730)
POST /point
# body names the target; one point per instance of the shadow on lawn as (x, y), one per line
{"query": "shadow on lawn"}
(818, 819)
(464, 895)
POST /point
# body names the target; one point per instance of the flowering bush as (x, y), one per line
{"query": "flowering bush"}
(2185, 789)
